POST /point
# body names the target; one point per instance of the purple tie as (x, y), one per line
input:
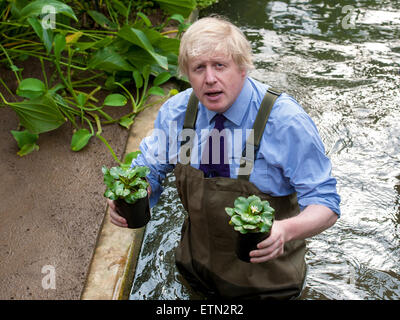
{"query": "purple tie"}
(220, 169)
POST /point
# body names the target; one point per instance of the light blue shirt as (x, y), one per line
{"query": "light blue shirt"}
(291, 157)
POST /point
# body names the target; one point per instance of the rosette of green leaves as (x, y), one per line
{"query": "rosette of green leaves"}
(251, 215)
(126, 183)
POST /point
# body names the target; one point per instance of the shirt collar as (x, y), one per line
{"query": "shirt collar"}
(239, 108)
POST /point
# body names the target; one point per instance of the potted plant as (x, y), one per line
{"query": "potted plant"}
(252, 218)
(128, 188)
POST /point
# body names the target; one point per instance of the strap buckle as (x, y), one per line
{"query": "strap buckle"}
(274, 91)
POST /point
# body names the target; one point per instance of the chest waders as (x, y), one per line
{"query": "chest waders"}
(206, 253)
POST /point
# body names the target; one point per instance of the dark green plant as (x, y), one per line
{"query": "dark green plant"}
(124, 182)
(123, 52)
(251, 215)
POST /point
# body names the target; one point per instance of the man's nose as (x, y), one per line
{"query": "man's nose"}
(210, 76)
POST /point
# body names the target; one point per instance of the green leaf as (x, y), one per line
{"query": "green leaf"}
(250, 219)
(36, 26)
(183, 7)
(145, 19)
(119, 188)
(253, 198)
(241, 204)
(177, 17)
(108, 59)
(28, 148)
(80, 139)
(240, 229)
(126, 121)
(35, 8)
(236, 220)
(138, 79)
(142, 171)
(110, 194)
(161, 78)
(24, 137)
(249, 226)
(121, 8)
(59, 45)
(26, 141)
(102, 20)
(38, 115)
(130, 156)
(230, 211)
(141, 193)
(157, 91)
(167, 45)
(114, 172)
(115, 100)
(139, 38)
(31, 88)
(81, 99)
(139, 183)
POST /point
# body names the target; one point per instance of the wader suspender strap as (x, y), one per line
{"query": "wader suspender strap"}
(253, 141)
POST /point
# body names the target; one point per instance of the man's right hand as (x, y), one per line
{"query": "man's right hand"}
(115, 217)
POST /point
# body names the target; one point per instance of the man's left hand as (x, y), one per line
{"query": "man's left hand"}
(272, 247)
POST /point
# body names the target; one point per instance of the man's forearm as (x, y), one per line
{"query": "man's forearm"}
(311, 221)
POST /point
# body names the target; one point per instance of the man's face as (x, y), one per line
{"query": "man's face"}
(216, 80)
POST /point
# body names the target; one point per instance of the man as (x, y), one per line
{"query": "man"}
(289, 169)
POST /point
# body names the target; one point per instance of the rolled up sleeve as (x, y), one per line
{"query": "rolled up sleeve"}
(306, 166)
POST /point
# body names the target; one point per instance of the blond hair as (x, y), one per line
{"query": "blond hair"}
(214, 35)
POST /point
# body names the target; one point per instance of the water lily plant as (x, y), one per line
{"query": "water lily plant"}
(251, 215)
(126, 183)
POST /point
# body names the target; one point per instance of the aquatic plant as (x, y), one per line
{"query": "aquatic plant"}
(125, 182)
(251, 215)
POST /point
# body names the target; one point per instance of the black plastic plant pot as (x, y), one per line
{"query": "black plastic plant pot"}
(136, 214)
(248, 242)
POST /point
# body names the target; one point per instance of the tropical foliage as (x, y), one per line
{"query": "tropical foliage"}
(92, 46)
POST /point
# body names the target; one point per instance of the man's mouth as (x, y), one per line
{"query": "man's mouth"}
(213, 93)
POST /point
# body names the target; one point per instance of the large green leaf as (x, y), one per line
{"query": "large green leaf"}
(183, 7)
(35, 8)
(108, 59)
(139, 58)
(31, 88)
(161, 78)
(167, 45)
(139, 38)
(241, 204)
(39, 115)
(80, 139)
(45, 35)
(115, 100)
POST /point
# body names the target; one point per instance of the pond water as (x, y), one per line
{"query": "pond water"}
(343, 65)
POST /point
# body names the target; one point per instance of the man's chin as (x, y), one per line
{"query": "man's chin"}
(217, 106)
